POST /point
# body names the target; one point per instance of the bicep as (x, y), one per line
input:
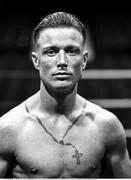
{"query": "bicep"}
(117, 158)
(6, 149)
(119, 164)
(3, 167)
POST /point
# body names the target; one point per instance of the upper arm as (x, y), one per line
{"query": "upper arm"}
(117, 157)
(6, 148)
(3, 166)
(119, 164)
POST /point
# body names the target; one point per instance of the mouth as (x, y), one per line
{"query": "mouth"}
(62, 75)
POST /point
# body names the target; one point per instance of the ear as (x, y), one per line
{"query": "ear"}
(35, 59)
(85, 58)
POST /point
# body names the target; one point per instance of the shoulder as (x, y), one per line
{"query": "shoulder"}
(108, 124)
(17, 116)
(13, 117)
(10, 126)
(103, 117)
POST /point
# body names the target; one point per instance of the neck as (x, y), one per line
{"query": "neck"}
(59, 103)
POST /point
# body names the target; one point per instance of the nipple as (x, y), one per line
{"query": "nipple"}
(94, 167)
(34, 171)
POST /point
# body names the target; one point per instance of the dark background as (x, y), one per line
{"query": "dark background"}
(109, 26)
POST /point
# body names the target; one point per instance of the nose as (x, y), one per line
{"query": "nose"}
(62, 60)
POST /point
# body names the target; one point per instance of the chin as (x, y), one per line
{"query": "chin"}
(61, 90)
(64, 90)
(62, 86)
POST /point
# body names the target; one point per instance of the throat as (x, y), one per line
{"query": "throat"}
(60, 104)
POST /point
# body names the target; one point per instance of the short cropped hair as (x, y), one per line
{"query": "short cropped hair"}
(56, 20)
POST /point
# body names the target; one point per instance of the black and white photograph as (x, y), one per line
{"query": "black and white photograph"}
(65, 90)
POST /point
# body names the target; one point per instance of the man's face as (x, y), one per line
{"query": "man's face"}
(60, 58)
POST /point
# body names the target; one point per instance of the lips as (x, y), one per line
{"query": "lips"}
(61, 73)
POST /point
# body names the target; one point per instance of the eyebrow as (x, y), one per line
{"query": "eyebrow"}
(57, 47)
(71, 46)
(50, 47)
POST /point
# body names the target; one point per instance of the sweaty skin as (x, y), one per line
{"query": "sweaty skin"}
(34, 154)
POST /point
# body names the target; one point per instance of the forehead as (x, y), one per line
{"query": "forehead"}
(60, 36)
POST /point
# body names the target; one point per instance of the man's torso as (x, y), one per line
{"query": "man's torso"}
(39, 153)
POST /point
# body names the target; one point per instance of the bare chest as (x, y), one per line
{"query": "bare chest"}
(39, 155)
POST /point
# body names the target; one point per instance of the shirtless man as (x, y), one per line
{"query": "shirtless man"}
(56, 133)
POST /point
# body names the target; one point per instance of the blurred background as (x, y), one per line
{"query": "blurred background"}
(107, 77)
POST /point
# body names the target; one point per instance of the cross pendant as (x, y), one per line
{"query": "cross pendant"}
(77, 155)
(61, 142)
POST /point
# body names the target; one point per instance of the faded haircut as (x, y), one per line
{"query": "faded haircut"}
(56, 20)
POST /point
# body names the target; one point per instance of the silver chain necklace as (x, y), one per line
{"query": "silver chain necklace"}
(77, 154)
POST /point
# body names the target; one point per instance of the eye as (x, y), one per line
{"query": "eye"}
(73, 51)
(51, 52)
